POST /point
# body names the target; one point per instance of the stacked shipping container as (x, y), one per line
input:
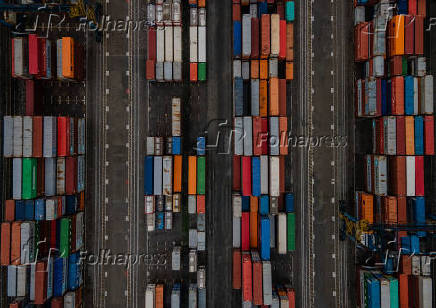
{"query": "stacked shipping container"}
(197, 41)
(263, 64)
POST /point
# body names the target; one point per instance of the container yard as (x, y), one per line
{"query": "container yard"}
(204, 153)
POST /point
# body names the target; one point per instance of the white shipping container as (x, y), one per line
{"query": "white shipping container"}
(177, 12)
(201, 277)
(160, 44)
(248, 136)
(274, 176)
(27, 242)
(385, 298)
(237, 69)
(416, 265)
(193, 44)
(17, 173)
(27, 136)
(50, 137)
(150, 145)
(192, 295)
(175, 258)
(380, 175)
(151, 14)
(176, 116)
(167, 178)
(281, 229)
(150, 296)
(237, 205)
(150, 222)
(274, 136)
(8, 136)
(273, 67)
(239, 136)
(275, 35)
(202, 16)
(22, 281)
(192, 261)
(426, 97)
(18, 136)
(359, 14)
(246, 35)
(60, 176)
(425, 292)
(390, 138)
(264, 175)
(51, 209)
(177, 44)
(236, 232)
(253, 10)
(70, 300)
(193, 16)
(192, 204)
(410, 176)
(426, 265)
(420, 66)
(254, 97)
(202, 44)
(379, 66)
(275, 301)
(267, 283)
(149, 204)
(157, 175)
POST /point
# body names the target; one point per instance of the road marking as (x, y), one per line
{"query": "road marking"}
(333, 256)
(333, 218)
(332, 163)
(127, 145)
(313, 72)
(126, 293)
(127, 109)
(105, 293)
(127, 73)
(107, 53)
(106, 146)
(331, 18)
(334, 274)
(127, 218)
(107, 73)
(331, 54)
(107, 108)
(106, 237)
(332, 200)
(106, 181)
(127, 54)
(106, 200)
(332, 108)
(107, 91)
(333, 236)
(332, 73)
(127, 126)
(106, 163)
(332, 90)
(107, 35)
(105, 274)
(107, 127)
(331, 36)
(106, 218)
(334, 293)
(332, 127)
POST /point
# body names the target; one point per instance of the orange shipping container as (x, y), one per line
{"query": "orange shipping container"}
(397, 99)
(16, 243)
(290, 42)
(289, 70)
(201, 3)
(159, 296)
(192, 175)
(263, 69)
(274, 96)
(178, 161)
(403, 281)
(6, 244)
(283, 136)
(282, 97)
(150, 70)
(396, 35)
(40, 283)
(367, 207)
(263, 98)
(402, 210)
(193, 71)
(253, 229)
(265, 36)
(406, 264)
(68, 57)
(255, 69)
(390, 210)
(10, 210)
(410, 135)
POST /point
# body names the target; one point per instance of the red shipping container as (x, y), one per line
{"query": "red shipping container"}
(150, 70)
(265, 138)
(403, 281)
(9, 210)
(419, 35)
(396, 65)
(247, 294)
(40, 283)
(74, 139)
(245, 231)
(236, 12)
(421, 8)
(236, 172)
(282, 97)
(406, 264)
(429, 135)
(409, 34)
(5, 258)
(71, 175)
(397, 101)
(237, 275)
(151, 49)
(201, 204)
(257, 136)
(362, 41)
(257, 282)
(265, 35)
(63, 136)
(30, 97)
(291, 297)
(34, 55)
(193, 69)
(419, 175)
(255, 38)
(16, 243)
(412, 7)
(42, 45)
(397, 176)
(401, 135)
(402, 210)
(37, 135)
(246, 175)
(282, 53)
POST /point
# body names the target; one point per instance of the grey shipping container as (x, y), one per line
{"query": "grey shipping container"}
(50, 137)
(237, 205)
(167, 175)
(192, 204)
(426, 102)
(168, 71)
(168, 220)
(237, 69)
(274, 176)
(281, 230)
(238, 136)
(202, 16)
(158, 146)
(27, 136)
(236, 232)
(169, 49)
(201, 298)
(245, 70)
(193, 44)
(201, 222)
(175, 258)
(275, 301)
(150, 218)
(175, 298)
(176, 116)
(425, 292)
(202, 39)
(272, 232)
(168, 203)
(81, 135)
(18, 136)
(157, 175)
(201, 277)
(264, 175)
(238, 97)
(267, 283)
(192, 261)
(177, 44)
(192, 295)
(380, 175)
(177, 71)
(254, 97)
(8, 136)
(80, 173)
(12, 281)
(150, 293)
(27, 242)
(248, 136)
(32, 281)
(150, 145)
(193, 16)
(253, 10)
(273, 67)
(201, 241)
(17, 175)
(22, 286)
(70, 300)
(274, 136)
(159, 71)
(193, 240)
(246, 35)
(390, 139)
(274, 205)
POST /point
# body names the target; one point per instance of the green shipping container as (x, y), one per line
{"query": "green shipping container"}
(65, 236)
(202, 71)
(290, 11)
(291, 231)
(393, 288)
(201, 175)
(29, 178)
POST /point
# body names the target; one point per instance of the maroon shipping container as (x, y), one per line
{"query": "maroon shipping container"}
(40, 176)
(44, 233)
(264, 133)
(380, 136)
(282, 97)
(419, 35)
(409, 33)
(40, 283)
(257, 281)
(37, 136)
(237, 275)
(236, 172)
(255, 38)
(412, 7)
(397, 175)
(236, 12)
(150, 70)
(257, 136)
(246, 175)
(74, 140)
(245, 231)
(429, 135)
(413, 292)
(401, 135)
(71, 175)
(402, 210)
(151, 49)
(30, 97)
(52, 232)
(422, 8)
(419, 175)
(396, 65)
(9, 210)
(281, 9)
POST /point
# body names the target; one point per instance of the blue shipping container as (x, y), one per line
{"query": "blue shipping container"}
(238, 96)
(264, 205)
(29, 210)
(384, 97)
(262, 8)
(373, 292)
(255, 176)
(388, 96)
(245, 203)
(160, 220)
(419, 135)
(265, 238)
(289, 199)
(418, 211)
(40, 209)
(59, 276)
(20, 213)
(73, 271)
(148, 175)
(237, 38)
(71, 204)
(201, 146)
(402, 7)
(177, 146)
(408, 95)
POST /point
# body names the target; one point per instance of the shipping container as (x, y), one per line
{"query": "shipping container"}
(274, 180)
(281, 229)
(265, 238)
(291, 231)
(275, 35)
(265, 33)
(247, 292)
(236, 273)
(246, 175)
(245, 231)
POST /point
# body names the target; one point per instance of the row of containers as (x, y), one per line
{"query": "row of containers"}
(155, 295)
(43, 228)
(164, 39)
(263, 63)
(34, 57)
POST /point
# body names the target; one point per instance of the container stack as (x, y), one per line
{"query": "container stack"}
(164, 41)
(197, 40)
(263, 214)
(394, 96)
(42, 231)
